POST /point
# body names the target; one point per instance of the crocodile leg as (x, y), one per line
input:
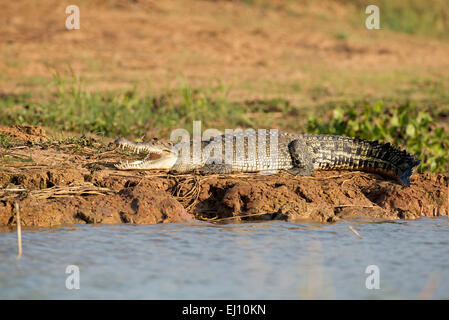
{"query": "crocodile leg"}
(302, 158)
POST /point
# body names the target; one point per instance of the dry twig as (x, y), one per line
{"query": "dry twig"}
(355, 232)
(70, 191)
(19, 232)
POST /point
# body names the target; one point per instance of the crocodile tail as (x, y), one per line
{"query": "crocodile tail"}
(339, 152)
(404, 164)
(404, 178)
(385, 159)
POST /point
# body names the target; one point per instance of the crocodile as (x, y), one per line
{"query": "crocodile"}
(298, 154)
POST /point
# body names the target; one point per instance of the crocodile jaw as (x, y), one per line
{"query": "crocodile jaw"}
(153, 146)
(166, 162)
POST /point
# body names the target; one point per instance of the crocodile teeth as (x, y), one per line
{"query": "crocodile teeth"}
(127, 165)
(135, 149)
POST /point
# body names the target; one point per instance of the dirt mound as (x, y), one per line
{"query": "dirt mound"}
(24, 133)
(128, 206)
(71, 181)
(326, 197)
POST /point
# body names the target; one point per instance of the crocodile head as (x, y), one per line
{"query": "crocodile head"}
(167, 154)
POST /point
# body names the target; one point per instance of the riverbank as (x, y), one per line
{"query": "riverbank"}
(73, 181)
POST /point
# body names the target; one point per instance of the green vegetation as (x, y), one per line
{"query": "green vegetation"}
(133, 114)
(77, 143)
(404, 125)
(5, 141)
(426, 17)
(410, 16)
(127, 113)
(413, 16)
(17, 159)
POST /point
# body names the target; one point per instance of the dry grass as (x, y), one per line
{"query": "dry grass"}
(187, 190)
(70, 191)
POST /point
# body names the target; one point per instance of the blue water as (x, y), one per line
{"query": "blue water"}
(274, 260)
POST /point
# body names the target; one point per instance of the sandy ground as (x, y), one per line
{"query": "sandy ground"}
(289, 50)
(57, 183)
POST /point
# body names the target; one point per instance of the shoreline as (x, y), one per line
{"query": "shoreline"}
(73, 181)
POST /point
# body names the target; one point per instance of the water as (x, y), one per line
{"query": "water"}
(275, 260)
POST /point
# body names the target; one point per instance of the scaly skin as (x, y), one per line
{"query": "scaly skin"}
(299, 154)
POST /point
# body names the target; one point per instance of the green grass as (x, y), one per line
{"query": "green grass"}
(5, 141)
(341, 35)
(17, 159)
(128, 113)
(5, 144)
(425, 17)
(416, 16)
(133, 114)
